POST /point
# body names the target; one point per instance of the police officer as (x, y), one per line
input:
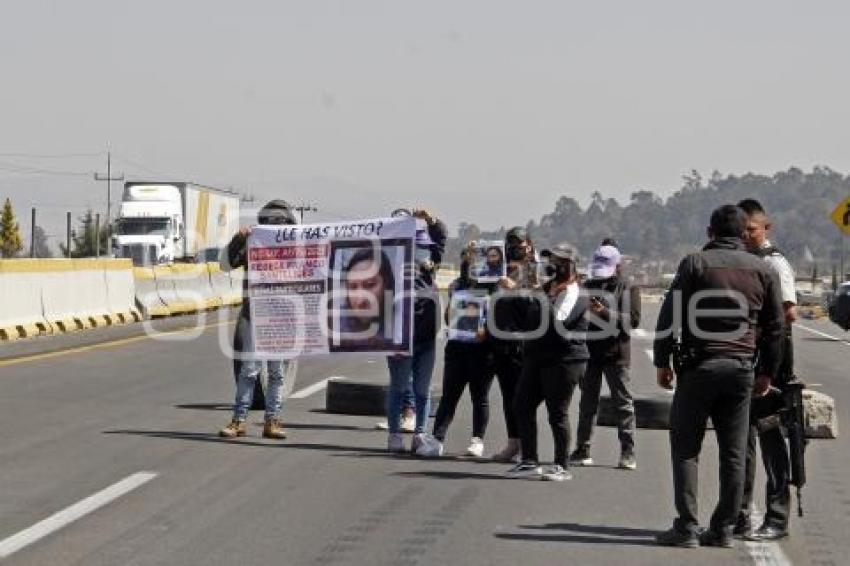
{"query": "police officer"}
(731, 309)
(774, 450)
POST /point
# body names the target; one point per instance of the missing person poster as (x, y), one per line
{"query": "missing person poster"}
(467, 316)
(338, 287)
(488, 263)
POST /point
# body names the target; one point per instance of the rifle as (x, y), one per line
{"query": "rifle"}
(794, 420)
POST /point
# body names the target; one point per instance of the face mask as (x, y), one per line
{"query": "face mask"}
(515, 252)
(422, 257)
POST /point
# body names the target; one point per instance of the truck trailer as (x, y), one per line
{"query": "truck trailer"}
(162, 222)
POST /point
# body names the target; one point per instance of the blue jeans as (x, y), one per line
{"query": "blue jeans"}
(411, 372)
(250, 371)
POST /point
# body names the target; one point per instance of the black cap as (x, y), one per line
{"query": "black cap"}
(561, 251)
(276, 211)
(517, 233)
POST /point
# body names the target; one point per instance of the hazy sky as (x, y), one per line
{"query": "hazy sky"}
(485, 111)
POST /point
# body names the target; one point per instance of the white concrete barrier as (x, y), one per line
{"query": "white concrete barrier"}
(221, 286)
(147, 296)
(21, 313)
(121, 291)
(73, 293)
(167, 290)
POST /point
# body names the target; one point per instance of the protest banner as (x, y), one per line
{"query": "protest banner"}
(467, 316)
(488, 261)
(337, 287)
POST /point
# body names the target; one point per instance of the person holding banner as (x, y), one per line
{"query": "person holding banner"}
(416, 370)
(468, 360)
(276, 212)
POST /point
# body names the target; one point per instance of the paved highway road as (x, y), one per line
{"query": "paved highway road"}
(112, 436)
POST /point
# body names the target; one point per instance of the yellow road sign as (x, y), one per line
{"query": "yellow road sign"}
(841, 216)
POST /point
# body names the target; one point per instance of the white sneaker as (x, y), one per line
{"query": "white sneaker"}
(395, 443)
(476, 447)
(429, 447)
(556, 473)
(525, 470)
(408, 423)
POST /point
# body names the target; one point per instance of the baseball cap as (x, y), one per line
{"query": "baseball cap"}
(423, 238)
(605, 262)
(561, 251)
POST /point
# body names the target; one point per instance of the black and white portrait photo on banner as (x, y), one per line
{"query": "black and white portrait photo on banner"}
(467, 316)
(488, 261)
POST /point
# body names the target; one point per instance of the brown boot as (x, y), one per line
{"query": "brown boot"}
(234, 429)
(274, 429)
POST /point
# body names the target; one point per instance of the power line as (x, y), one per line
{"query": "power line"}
(50, 155)
(27, 170)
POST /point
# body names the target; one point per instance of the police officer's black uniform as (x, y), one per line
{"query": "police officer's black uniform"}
(716, 378)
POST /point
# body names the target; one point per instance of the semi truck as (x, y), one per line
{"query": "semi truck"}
(164, 222)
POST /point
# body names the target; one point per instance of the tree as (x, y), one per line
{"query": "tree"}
(10, 232)
(83, 239)
(41, 247)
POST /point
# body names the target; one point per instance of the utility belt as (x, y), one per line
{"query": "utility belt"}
(687, 358)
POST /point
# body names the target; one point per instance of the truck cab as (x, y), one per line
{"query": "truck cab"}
(150, 226)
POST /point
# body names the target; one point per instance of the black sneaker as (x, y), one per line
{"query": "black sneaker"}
(525, 470)
(581, 456)
(627, 461)
(768, 533)
(675, 537)
(743, 528)
(710, 537)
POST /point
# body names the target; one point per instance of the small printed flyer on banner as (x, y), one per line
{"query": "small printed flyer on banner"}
(488, 263)
(337, 287)
(467, 316)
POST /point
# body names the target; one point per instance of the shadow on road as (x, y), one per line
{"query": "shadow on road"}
(448, 475)
(583, 534)
(245, 441)
(206, 406)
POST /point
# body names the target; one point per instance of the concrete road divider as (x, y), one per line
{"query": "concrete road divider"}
(192, 284)
(821, 416)
(177, 302)
(74, 294)
(21, 313)
(147, 296)
(358, 398)
(121, 291)
(237, 277)
(653, 411)
(222, 286)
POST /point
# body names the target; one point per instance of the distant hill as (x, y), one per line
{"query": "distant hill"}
(659, 232)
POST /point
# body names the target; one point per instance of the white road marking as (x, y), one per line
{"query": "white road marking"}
(312, 389)
(823, 334)
(640, 333)
(765, 553)
(70, 514)
(651, 354)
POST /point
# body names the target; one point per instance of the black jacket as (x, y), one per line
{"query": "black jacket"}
(730, 275)
(564, 340)
(623, 310)
(235, 255)
(426, 304)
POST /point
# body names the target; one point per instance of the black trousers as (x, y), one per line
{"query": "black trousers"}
(507, 364)
(617, 377)
(774, 455)
(552, 382)
(777, 466)
(465, 364)
(719, 388)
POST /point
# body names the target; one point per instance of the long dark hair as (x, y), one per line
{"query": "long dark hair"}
(385, 270)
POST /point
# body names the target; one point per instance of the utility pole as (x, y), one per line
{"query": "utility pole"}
(302, 208)
(97, 235)
(68, 235)
(108, 178)
(32, 235)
